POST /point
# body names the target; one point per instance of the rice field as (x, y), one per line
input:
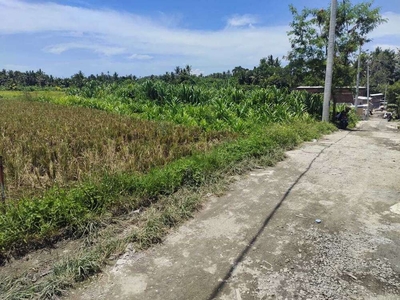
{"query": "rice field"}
(29, 94)
(44, 144)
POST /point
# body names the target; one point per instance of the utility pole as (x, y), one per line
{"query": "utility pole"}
(358, 79)
(367, 117)
(386, 87)
(329, 63)
(2, 188)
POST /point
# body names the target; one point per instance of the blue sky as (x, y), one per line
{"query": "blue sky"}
(151, 37)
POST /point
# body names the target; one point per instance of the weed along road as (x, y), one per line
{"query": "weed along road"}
(323, 224)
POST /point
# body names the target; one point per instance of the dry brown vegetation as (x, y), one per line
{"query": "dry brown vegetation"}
(43, 144)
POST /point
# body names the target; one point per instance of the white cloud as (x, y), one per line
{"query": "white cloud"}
(390, 28)
(242, 20)
(140, 56)
(109, 32)
(387, 35)
(197, 72)
(101, 49)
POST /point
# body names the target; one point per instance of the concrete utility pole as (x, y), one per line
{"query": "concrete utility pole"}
(358, 79)
(386, 87)
(367, 117)
(3, 194)
(329, 63)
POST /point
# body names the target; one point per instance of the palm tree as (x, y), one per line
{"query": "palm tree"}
(178, 70)
(188, 69)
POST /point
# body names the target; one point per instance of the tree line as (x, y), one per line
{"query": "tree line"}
(304, 64)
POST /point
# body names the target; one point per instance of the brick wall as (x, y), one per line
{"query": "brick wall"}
(342, 95)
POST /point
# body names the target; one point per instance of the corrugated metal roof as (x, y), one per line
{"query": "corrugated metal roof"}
(321, 87)
(310, 87)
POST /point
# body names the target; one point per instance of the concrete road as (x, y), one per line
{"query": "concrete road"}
(262, 240)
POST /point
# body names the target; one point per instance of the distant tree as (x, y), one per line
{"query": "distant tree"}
(241, 74)
(115, 76)
(396, 72)
(188, 70)
(178, 70)
(382, 67)
(78, 79)
(270, 72)
(309, 38)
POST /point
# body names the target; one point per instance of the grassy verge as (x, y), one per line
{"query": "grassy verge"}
(199, 174)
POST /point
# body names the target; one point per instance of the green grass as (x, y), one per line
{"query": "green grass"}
(30, 95)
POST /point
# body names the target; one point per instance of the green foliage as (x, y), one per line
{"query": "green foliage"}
(227, 108)
(352, 116)
(269, 72)
(394, 108)
(382, 67)
(393, 93)
(309, 39)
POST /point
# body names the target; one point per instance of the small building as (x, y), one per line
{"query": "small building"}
(341, 94)
(363, 100)
(375, 100)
